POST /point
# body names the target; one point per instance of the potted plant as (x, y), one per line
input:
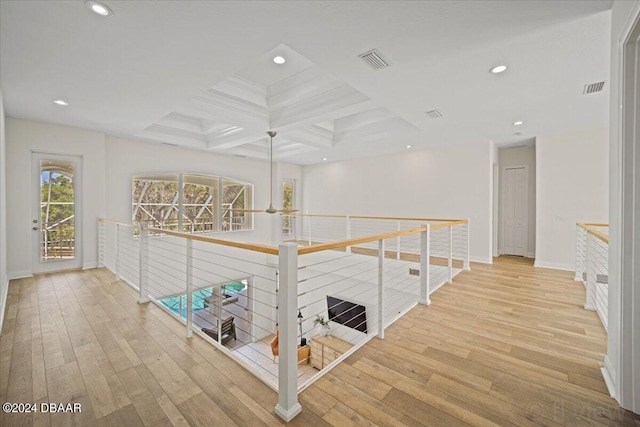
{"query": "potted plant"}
(319, 320)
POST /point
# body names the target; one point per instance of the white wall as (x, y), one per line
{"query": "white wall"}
(621, 376)
(572, 186)
(126, 158)
(4, 283)
(520, 156)
(24, 137)
(436, 183)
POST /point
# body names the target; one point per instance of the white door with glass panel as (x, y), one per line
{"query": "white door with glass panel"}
(56, 214)
(515, 211)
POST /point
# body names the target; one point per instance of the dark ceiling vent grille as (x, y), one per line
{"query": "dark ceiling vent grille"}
(434, 114)
(375, 60)
(593, 88)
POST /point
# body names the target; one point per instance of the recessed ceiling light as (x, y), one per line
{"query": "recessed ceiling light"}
(61, 102)
(98, 8)
(498, 69)
(279, 60)
(408, 146)
(324, 158)
(518, 122)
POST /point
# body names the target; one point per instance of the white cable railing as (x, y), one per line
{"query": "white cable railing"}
(258, 304)
(592, 266)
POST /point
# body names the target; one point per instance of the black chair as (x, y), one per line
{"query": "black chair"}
(228, 329)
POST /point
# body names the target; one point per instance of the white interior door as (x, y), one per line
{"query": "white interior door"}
(56, 222)
(515, 202)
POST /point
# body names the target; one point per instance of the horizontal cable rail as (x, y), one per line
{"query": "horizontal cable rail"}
(592, 266)
(268, 307)
(271, 250)
(357, 241)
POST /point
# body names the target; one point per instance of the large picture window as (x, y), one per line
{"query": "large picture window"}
(191, 203)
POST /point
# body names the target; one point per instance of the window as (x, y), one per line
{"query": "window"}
(288, 202)
(191, 203)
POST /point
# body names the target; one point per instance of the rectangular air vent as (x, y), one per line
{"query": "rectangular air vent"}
(375, 60)
(593, 88)
(414, 272)
(434, 114)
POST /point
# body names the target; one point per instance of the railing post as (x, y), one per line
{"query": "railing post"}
(288, 406)
(398, 241)
(450, 260)
(424, 266)
(467, 265)
(348, 232)
(115, 246)
(143, 274)
(581, 250)
(592, 276)
(101, 243)
(309, 229)
(189, 269)
(381, 289)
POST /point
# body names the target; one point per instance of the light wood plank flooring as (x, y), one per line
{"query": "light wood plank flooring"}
(505, 344)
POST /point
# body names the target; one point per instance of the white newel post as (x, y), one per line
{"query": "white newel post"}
(381, 289)
(309, 229)
(288, 406)
(189, 279)
(398, 226)
(467, 265)
(424, 266)
(348, 232)
(592, 273)
(450, 261)
(101, 244)
(115, 247)
(143, 278)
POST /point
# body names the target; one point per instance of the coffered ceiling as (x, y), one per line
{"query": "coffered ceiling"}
(310, 108)
(200, 74)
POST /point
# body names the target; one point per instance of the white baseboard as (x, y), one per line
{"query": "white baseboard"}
(4, 287)
(482, 260)
(531, 255)
(19, 275)
(554, 265)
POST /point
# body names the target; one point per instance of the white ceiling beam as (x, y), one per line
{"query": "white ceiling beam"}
(220, 141)
(172, 136)
(303, 85)
(329, 105)
(242, 88)
(392, 127)
(221, 107)
(311, 135)
(181, 122)
(358, 120)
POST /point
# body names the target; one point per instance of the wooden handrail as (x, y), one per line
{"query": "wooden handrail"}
(586, 225)
(447, 224)
(392, 218)
(357, 241)
(599, 235)
(110, 221)
(271, 250)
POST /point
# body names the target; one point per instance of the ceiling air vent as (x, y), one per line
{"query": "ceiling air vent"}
(375, 60)
(593, 88)
(433, 114)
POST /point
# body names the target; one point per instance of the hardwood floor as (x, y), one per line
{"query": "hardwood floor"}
(505, 344)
